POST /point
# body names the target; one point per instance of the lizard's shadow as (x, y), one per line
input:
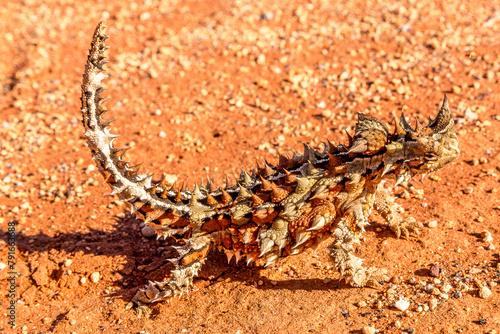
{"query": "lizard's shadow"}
(145, 259)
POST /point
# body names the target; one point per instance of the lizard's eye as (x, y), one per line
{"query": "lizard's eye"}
(430, 157)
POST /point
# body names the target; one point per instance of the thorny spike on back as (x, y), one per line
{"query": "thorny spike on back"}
(282, 210)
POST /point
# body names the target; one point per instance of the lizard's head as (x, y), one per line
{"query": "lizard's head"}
(432, 147)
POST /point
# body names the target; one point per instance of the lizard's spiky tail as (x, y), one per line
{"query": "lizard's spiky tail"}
(125, 181)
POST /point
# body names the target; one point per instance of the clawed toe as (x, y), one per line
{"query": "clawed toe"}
(405, 227)
(140, 310)
(371, 277)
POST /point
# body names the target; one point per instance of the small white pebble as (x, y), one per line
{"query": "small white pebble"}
(446, 288)
(432, 223)
(83, 280)
(94, 277)
(369, 330)
(402, 304)
(474, 271)
(321, 105)
(488, 239)
(162, 134)
(484, 292)
(68, 262)
(433, 303)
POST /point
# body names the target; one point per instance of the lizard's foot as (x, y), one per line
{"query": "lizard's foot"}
(405, 227)
(153, 292)
(140, 310)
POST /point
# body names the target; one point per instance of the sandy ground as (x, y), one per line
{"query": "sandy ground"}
(203, 88)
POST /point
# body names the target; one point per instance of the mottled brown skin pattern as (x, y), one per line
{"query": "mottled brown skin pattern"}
(279, 210)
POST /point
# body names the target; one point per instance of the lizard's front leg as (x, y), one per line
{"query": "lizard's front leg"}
(388, 209)
(191, 257)
(347, 233)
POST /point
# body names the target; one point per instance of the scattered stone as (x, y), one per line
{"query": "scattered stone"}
(462, 287)
(40, 276)
(468, 190)
(432, 223)
(402, 304)
(433, 303)
(261, 59)
(94, 277)
(90, 169)
(83, 280)
(435, 270)
(68, 262)
(446, 288)
(470, 116)
(266, 16)
(369, 330)
(162, 134)
(486, 235)
(474, 271)
(362, 303)
(321, 105)
(148, 231)
(484, 292)
(326, 113)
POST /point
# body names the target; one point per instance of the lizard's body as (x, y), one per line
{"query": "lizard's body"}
(279, 210)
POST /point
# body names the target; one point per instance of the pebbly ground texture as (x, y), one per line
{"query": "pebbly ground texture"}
(203, 88)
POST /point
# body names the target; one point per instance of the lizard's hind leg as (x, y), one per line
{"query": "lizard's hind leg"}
(191, 257)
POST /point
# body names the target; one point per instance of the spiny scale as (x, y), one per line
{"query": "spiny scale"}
(279, 210)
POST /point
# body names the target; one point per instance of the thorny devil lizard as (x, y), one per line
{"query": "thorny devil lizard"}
(278, 210)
